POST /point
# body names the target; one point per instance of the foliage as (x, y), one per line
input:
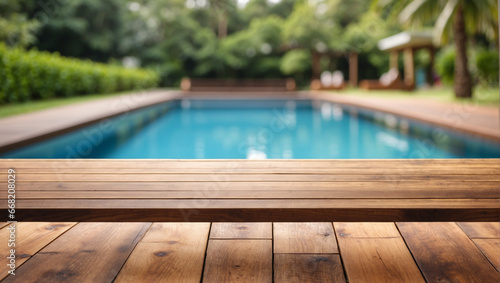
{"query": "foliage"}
(487, 65)
(452, 18)
(15, 27)
(362, 36)
(26, 75)
(309, 27)
(445, 65)
(222, 38)
(295, 61)
(480, 16)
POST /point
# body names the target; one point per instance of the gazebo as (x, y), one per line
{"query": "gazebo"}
(408, 43)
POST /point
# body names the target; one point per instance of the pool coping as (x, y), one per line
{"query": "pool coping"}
(134, 101)
(451, 124)
(115, 106)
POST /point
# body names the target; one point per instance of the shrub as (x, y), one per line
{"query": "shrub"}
(26, 75)
(445, 65)
(487, 65)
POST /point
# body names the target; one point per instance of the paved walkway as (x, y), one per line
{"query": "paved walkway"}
(25, 128)
(473, 119)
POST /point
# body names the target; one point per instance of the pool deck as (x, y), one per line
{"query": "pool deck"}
(23, 129)
(254, 252)
(472, 119)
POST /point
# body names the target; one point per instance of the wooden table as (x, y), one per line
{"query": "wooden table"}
(251, 190)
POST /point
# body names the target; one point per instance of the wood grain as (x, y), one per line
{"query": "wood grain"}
(238, 261)
(256, 190)
(304, 238)
(444, 253)
(363, 169)
(147, 177)
(274, 203)
(481, 229)
(392, 184)
(191, 214)
(366, 230)
(89, 252)
(242, 230)
(248, 190)
(231, 163)
(169, 252)
(491, 249)
(30, 238)
(375, 252)
(312, 268)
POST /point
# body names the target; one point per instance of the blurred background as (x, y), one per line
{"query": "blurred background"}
(227, 39)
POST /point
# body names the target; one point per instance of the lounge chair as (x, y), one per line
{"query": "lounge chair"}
(389, 80)
(329, 81)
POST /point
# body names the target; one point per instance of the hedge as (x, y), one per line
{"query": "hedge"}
(26, 75)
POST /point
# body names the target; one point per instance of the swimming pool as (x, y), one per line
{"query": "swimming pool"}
(258, 129)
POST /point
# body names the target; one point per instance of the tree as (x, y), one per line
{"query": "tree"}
(221, 9)
(459, 18)
(16, 29)
(310, 27)
(82, 28)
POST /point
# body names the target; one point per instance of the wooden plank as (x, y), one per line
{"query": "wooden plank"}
(304, 238)
(481, 230)
(231, 163)
(205, 204)
(375, 252)
(367, 186)
(230, 190)
(362, 169)
(198, 214)
(242, 230)
(169, 252)
(491, 249)
(396, 189)
(238, 261)
(89, 252)
(366, 230)
(30, 238)
(444, 253)
(145, 177)
(308, 268)
(278, 192)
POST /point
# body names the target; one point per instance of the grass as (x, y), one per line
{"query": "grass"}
(486, 96)
(35, 105)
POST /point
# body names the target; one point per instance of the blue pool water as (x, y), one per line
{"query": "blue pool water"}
(256, 129)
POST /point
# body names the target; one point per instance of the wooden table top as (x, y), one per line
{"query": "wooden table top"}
(254, 190)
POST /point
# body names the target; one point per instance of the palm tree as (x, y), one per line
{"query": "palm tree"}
(456, 17)
(221, 9)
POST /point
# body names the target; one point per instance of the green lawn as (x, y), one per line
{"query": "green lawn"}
(486, 96)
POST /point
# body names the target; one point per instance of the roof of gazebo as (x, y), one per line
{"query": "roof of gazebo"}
(405, 40)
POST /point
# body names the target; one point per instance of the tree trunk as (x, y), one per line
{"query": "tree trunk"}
(316, 64)
(463, 81)
(222, 27)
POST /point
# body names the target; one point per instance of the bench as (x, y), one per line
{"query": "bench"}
(228, 85)
(254, 190)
